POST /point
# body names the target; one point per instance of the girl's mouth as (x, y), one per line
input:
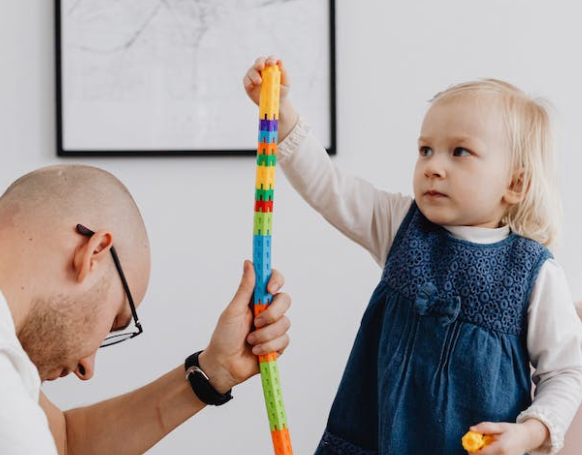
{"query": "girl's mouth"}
(435, 194)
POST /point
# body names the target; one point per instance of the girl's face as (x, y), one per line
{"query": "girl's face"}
(462, 175)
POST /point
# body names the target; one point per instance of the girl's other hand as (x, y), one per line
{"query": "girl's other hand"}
(512, 438)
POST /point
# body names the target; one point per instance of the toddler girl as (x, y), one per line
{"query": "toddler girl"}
(469, 295)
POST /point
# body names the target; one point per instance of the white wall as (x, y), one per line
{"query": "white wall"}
(392, 57)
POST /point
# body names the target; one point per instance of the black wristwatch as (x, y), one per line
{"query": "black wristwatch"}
(201, 384)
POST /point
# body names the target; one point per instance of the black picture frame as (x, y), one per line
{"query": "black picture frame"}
(87, 125)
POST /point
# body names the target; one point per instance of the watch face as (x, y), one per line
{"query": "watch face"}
(196, 370)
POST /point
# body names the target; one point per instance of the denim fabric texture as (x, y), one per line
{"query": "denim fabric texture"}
(441, 346)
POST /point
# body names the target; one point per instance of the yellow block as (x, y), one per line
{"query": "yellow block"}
(265, 177)
(473, 441)
(270, 91)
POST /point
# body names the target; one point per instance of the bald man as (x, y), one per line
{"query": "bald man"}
(74, 265)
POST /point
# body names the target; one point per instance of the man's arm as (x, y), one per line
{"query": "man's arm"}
(128, 424)
(132, 423)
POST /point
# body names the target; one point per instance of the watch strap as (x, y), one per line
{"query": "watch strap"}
(200, 383)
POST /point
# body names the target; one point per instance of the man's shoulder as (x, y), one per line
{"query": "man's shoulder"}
(14, 362)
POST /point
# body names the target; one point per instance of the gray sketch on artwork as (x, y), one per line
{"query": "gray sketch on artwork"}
(166, 74)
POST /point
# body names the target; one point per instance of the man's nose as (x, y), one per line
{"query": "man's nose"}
(86, 367)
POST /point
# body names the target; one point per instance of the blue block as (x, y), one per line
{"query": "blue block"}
(262, 263)
(262, 297)
(269, 137)
(262, 255)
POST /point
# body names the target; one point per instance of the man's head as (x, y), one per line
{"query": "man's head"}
(62, 288)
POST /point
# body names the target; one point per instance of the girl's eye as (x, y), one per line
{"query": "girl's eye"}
(460, 151)
(425, 151)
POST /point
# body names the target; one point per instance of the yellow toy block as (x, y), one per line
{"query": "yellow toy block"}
(270, 90)
(473, 441)
(265, 178)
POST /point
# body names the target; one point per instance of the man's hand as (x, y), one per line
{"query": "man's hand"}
(231, 356)
(512, 438)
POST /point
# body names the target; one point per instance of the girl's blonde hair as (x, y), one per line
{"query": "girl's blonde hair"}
(529, 130)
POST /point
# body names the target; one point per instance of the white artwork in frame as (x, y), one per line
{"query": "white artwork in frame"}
(164, 77)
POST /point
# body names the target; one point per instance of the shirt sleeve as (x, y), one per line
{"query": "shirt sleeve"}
(24, 427)
(554, 343)
(365, 214)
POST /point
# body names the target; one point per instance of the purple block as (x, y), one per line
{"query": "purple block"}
(268, 125)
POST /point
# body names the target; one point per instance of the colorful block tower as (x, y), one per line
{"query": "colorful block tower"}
(263, 221)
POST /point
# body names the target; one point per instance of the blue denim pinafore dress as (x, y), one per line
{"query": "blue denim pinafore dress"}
(441, 347)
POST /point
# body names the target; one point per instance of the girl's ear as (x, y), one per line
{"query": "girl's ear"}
(517, 188)
(91, 254)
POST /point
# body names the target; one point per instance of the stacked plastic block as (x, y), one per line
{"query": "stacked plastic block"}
(263, 221)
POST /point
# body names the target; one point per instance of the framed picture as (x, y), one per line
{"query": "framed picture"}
(164, 77)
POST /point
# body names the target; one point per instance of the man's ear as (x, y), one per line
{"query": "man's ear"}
(517, 188)
(91, 253)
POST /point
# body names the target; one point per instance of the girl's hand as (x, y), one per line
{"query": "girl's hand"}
(512, 438)
(252, 80)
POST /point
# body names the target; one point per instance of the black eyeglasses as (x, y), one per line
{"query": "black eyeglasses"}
(115, 338)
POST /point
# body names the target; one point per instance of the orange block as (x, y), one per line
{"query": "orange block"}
(267, 148)
(270, 357)
(260, 308)
(282, 442)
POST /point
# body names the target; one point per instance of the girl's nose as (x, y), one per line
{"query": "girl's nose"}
(435, 168)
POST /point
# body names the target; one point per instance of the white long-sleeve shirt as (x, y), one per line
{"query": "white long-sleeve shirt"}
(371, 217)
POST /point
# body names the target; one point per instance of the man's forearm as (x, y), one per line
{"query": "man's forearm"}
(132, 423)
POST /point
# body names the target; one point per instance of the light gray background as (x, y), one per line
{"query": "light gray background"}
(392, 57)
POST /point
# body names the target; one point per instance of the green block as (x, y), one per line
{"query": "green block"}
(273, 395)
(263, 223)
(266, 160)
(264, 195)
